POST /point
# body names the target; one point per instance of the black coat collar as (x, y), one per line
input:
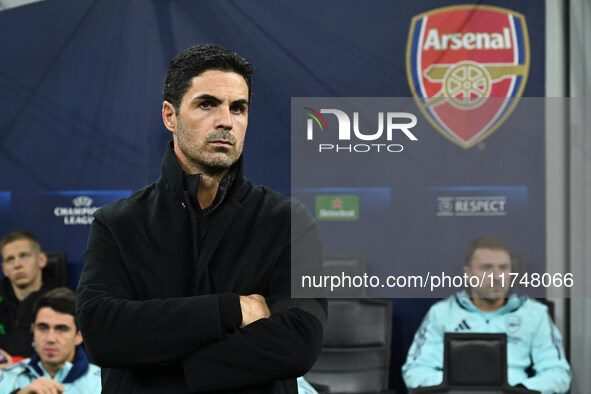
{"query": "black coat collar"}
(172, 177)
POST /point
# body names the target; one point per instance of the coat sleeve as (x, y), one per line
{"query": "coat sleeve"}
(120, 331)
(424, 363)
(9, 378)
(552, 371)
(284, 346)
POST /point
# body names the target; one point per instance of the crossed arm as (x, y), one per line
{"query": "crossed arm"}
(122, 332)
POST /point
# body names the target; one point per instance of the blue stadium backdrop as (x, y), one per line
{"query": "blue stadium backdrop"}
(80, 123)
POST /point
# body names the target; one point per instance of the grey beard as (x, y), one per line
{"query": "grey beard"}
(213, 169)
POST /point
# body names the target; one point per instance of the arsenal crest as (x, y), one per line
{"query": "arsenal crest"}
(467, 66)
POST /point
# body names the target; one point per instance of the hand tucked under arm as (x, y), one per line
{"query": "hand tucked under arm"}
(254, 307)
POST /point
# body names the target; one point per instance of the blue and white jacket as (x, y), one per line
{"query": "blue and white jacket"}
(79, 377)
(532, 338)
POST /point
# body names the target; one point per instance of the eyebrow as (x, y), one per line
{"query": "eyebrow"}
(13, 255)
(55, 327)
(218, 101)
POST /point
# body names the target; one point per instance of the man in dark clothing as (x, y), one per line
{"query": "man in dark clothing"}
(22, 265)
(186, 283)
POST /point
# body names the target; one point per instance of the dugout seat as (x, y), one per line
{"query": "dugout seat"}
(355, 356)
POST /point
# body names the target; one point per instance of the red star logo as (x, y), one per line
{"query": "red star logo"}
(337, 203)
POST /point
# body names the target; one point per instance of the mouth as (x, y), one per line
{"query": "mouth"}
(20, 276)
(498, 291)
(221, 143)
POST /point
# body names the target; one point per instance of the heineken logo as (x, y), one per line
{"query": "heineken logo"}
(337, 207)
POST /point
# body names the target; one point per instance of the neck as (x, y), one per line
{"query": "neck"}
(22, 293)
(488, 305)
(210, 180)
(52, 369)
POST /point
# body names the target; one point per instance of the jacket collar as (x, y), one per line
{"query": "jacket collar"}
(512, 303)
(79, 365)
(172, 177)
(7, 291)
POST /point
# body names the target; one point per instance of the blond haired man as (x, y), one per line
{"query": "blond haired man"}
(22, 265)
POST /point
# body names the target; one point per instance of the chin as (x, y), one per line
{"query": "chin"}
(218, 164)
(492, 297)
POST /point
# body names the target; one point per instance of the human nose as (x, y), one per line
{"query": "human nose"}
(51, 336)
(224, 118)
(498, 273)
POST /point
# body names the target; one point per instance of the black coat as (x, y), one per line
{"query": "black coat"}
(16, 318)
(158, 296)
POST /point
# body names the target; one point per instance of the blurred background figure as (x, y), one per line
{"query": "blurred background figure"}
(535, 354)
(59, 363)
(22, 265)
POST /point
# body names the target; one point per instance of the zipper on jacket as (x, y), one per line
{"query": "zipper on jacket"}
(194, 226)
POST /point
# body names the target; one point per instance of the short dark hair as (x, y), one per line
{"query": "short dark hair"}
(194, 61)
(485, 242)
(17, 235)
(61, 299)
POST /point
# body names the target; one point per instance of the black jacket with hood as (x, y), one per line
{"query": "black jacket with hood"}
(158, 301)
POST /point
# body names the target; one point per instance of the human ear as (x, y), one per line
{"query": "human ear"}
(42, 260)
(169, 116)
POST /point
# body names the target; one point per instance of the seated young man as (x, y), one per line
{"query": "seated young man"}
(533, 341)
(22, 264)
(60, 363)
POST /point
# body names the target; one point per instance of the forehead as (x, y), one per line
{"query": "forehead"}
(216, 82)
(14, 247)
(53, 318)
(490, 256)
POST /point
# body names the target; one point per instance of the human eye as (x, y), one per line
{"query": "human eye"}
(206, 104)
(42, 327)
(62, 329)
(238, 108)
